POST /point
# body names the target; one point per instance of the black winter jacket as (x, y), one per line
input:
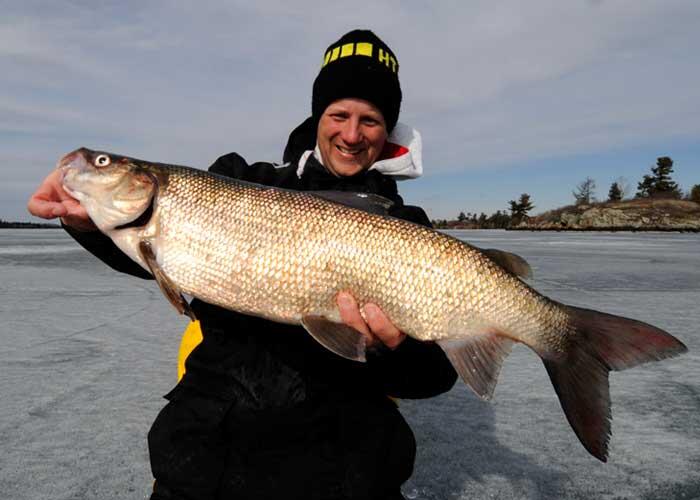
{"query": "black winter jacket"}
(292, 418)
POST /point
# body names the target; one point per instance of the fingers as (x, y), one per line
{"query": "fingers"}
(77, 217)
(375, 325)
(46, 201)
(351, 316)
(44, 208)
(74, 208)
(50, 201)
(71, 213)
(382, 327)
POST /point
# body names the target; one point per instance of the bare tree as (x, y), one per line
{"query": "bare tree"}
(624, 186)
(585, 192)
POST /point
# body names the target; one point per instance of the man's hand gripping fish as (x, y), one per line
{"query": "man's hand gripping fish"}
(285, 255)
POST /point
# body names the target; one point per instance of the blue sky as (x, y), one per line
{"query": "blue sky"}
(510, 96)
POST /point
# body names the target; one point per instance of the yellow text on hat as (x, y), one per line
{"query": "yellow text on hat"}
(360, 49)
(388, 59)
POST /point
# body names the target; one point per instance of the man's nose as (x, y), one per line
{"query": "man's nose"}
(351, 132)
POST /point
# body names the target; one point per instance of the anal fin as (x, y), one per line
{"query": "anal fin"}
(339, 338)
(478, 360)
(169, 289)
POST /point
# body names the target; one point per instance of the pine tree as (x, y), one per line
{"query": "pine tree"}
(520, 208)
(695, 193)
(498, 220)
(645, 188)
(662, 173)
(615, 193)
(659, 185)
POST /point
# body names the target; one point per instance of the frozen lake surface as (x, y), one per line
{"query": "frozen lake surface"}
(86, 354)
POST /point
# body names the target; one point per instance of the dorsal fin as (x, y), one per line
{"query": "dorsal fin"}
(509, 261)
(369, 202)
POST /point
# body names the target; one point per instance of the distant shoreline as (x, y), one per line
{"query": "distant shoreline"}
(609, 229)
(27, 225)
(560, 229)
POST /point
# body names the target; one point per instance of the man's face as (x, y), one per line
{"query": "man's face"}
(351, 136)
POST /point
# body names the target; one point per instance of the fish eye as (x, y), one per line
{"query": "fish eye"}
(102, 161)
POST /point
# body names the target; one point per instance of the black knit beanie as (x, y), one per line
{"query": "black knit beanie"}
(359, 65)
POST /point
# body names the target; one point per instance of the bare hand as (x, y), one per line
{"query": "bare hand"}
(375, 325)
(50, 201)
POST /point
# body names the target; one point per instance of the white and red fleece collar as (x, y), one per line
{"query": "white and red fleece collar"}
(401, 157)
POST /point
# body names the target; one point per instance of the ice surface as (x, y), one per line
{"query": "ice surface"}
(86, 353)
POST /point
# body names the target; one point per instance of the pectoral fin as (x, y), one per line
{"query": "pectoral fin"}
(339, 338)
(478, 360)
(169, 289)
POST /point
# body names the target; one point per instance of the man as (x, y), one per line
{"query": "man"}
(263, 410)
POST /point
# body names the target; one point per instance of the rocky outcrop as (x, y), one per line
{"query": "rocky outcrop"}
(632, 215)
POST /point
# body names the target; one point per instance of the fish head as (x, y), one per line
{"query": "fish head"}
(114, 190)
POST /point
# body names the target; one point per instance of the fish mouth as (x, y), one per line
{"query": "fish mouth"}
(75, 159)
(71, 165)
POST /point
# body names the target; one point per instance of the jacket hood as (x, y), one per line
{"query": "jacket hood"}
(401, 157)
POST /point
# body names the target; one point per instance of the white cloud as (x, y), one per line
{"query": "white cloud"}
(487, 83)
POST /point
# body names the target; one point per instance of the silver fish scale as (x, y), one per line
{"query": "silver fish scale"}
(284, 254)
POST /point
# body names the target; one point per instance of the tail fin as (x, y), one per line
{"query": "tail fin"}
(602, 342)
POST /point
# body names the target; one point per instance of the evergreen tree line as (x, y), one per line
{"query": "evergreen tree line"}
(25, 225)
(497, 220)
(657, 185)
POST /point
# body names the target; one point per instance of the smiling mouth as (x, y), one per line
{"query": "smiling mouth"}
(349, 151)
